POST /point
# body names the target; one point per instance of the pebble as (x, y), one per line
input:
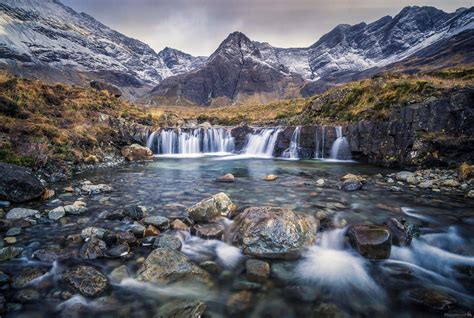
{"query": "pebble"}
(13, 231)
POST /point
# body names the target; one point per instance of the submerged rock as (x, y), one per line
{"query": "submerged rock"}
(371, 241)
(351, 185)
(210, 208)
(21, 213)
(118, 250)
(229, 177)
(275, 233)
(208, 230)
(51, 254)
(166, 265)
(432, 299)
(18, 184)
(137, 152)
(270, 177)
(119, 273)
(137, 212)
(86, 279)
(182, 309)
(401, 236)
(257, 270)
(26, 276)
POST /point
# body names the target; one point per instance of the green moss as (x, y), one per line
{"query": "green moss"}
(9, 155)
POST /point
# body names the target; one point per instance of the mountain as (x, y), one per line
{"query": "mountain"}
(236, 71)
(241, 69)
(45, 39)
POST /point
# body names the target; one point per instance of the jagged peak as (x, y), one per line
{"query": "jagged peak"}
(236, 45)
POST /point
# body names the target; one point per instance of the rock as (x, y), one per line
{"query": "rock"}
(86, 279)
(136, 152)
(4, 204)
(328, 310)
(93, 248)
(18, 184)
(149, 240)
(400, 234)
(10, 239)
(119, 273)
(111, 89)
(275, 233)
(165, 265)
(370, 241)
(270, 177)
(51, 254)
(137, 229)
(239, 302)
(169, 241)
(26, 276)
(470, 194)
(47, 194)
(208, 230)
(91, 231)
(4, 278)
(320, 182)
(182, 309)
(257, 271)
(465, 171)
(113, 215)
(91, 189)
(432, 299)
(27, 295)
(426, 184)
(68, 189)
(136, 212)
(210, 208)
(229, 177)
(351, 176)
(22, 213)
(77, 208)
(351, 185)
(118, 251)
(210, 267)
(412, 180)
(13, 231)
(451, 183)
(403, 175)
(179, 225)
(160, 222)
(57, 213)
(152, 231)
(123, 237)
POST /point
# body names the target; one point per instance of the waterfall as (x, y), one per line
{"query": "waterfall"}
(292, 151)
(340, 148)
(191, 141)
(320, 140)
(262, 143)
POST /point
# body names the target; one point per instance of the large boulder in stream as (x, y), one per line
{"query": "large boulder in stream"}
(136, 152)
(274, 233)
(18, 184)
(211, 208)
(371, 241)
(85, 279)
(166, 265)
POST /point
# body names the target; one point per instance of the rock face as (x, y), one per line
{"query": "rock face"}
(18, 184)
(166, 265)
(110, 88)
(274, 233)
(210, 208)
(136, 152)
(371, 241)
(85, 279)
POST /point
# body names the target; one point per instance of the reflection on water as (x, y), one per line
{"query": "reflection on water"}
(441, 258)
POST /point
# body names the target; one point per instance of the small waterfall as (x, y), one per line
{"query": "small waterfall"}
(262, 143)
(340, 148)
(292, 151)
(320, 143)
(190, 141)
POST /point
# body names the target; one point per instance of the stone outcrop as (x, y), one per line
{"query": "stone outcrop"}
(136, 152)
(18, 184)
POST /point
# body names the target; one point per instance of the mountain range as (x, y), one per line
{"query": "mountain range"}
(48, 40)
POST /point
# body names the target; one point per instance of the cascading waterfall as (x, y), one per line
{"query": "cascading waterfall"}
(262, 143)
(190, 141)
(292, 151)
(340, 149)
(320, 143)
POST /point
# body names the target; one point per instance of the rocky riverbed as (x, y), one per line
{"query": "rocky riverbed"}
(218, 237)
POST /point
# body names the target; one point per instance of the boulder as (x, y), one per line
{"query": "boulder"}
(257, 270)
(136, 152)
(370, 241)
(229, 177)
(86, 279)
(210, 208)
(18, 184)
(109, 88)
(166, 265)
(208, 230)
(21, 213)
(275, 233)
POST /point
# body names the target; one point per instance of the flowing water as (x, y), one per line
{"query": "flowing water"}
(340, 149)
(293, 151)
(330, 272)
(262, 142)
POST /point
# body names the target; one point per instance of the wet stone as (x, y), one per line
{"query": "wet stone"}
(13, 231)
(226, 178)
(210, 267)
(400, 234)
(160, 222)
(10, 239)
(169, 241)
(113, 215)
(119, 273)
(270, 177)
(432, 299)
(210, 208)
(9, 252)
(28, 295)
(86, 279)
(137, 229)
(136, 212)
(149, 240)
(27, 276)
(182, 309)
(371, 241)
(51, 254)
(94, 231)
(118, 251)
(208, 230)
(56, 213)
(257, 270)
(21, 213)
(179, 225)
(93, 248)
(152, 231)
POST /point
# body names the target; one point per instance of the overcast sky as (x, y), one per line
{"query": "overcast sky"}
(198, 26)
